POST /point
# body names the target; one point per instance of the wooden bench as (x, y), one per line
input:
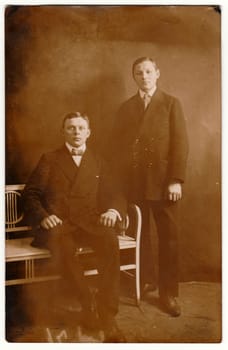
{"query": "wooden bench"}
(24, 262)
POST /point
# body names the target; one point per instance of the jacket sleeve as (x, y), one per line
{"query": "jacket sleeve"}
(33, 198)
(178, 143)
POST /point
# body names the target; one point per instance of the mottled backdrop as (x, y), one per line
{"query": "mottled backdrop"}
(67, 58)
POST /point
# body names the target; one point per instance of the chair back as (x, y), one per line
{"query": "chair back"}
(131, 223)
(13, 210)
(134, 222)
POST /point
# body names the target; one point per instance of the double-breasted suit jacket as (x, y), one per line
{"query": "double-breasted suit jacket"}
(75, 194)
(150, 149)
(151, 146)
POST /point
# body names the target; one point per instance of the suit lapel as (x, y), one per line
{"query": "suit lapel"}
(87, 176)
(135, 115)
(155, 104)
(66, 163)
(154, 111)
(138, 106)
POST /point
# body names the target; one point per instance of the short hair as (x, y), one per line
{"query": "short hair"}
(72, 115)
(143, 59)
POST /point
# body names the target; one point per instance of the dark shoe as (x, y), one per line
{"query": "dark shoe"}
(171, 306)
(112, 334)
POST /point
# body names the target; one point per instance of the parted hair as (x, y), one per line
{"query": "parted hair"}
(72, 115)
(143, 59)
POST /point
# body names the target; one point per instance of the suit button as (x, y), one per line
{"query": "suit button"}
(150, 165)
(152, 138)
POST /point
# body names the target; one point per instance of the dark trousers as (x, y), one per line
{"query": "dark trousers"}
(63, 241)
(162, 217)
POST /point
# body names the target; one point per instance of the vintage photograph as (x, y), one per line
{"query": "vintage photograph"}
(113, 174)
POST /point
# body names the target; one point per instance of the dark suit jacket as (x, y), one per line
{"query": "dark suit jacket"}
(76, 194)
(150, 147)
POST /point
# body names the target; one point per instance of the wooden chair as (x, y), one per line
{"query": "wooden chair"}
(18, 249)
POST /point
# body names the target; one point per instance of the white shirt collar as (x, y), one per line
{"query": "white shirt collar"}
(150, 92)
(69, 147)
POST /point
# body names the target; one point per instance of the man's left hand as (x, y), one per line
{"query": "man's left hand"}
(108, 218)
(174, 191)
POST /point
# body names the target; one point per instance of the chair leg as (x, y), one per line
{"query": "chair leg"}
(137, 276)
(29, 269)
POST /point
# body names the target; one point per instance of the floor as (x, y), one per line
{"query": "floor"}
(200, 321)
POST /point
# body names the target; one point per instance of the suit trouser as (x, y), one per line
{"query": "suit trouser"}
(162, 217)
(63, 241)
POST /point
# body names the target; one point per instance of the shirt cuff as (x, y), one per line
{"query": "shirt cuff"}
(116, 212)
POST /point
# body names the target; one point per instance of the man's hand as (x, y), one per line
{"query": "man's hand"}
(108, 218)
(174, 191)
(50, 222)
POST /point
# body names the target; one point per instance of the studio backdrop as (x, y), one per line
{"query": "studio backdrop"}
(78, 58)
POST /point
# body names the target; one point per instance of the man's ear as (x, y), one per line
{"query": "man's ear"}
(158, 73)
(88, 133)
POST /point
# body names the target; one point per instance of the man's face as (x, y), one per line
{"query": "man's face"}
(76, 131)
(146, 75)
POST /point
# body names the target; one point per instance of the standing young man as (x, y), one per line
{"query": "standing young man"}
(149, 155)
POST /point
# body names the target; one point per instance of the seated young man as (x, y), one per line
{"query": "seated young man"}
(71, 199)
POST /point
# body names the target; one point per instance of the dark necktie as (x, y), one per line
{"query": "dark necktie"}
(77, 152)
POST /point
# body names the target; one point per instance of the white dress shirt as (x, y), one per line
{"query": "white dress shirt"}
(76, 159)
(149, 93)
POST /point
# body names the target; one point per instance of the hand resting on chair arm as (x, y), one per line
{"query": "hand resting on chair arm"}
(108, 219)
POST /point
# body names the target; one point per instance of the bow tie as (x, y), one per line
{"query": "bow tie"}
(77, 152)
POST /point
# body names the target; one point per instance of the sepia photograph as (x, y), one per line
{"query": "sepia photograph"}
(113, 201)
